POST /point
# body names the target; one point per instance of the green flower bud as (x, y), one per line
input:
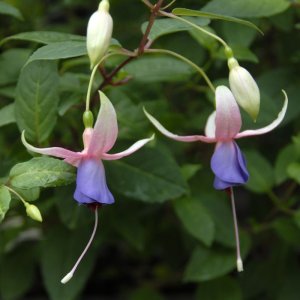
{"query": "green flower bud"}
(244, 88)
(99, 33)
(88, 119)
(33, 212)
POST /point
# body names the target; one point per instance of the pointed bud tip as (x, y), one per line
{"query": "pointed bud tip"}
(33, 212)
(67, 278)
(104, 5)
(239, 265)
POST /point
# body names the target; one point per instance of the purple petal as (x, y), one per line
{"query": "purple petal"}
(228, 165)
(91, 184)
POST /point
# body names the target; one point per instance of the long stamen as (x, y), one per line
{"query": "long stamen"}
(71, 273)
(239, 262)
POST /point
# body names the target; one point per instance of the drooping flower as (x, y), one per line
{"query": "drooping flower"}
(91, 184)
(99, 33)
(223, 128)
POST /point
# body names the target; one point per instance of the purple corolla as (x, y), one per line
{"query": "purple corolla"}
(91, 184)
(223, 127)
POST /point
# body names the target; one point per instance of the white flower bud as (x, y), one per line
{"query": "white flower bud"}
(99, 33)
(33, 212)
(244, 88)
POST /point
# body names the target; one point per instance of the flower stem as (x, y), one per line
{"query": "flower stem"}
(239, 262)
(89, 91)
(71, 273)
(200, 70)
(220, 40)
(17, 194)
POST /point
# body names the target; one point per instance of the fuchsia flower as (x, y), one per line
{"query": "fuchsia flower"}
(223, 127)
(91, 184)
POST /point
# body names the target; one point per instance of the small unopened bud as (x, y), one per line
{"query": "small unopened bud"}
(88, 119)
(99, 33)
(244, 88)
(33, 212)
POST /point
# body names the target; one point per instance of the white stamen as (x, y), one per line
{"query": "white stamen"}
(239, 262)
(71, 273)
(239, 265)
(67, 278)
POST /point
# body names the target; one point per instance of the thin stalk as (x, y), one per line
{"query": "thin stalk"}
(220, 40)
(239, 262)
(200, 70)
(89, 90)
(17, 194)
(152, 18)
(71, 273)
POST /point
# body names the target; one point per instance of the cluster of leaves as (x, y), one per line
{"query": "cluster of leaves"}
(169, 233)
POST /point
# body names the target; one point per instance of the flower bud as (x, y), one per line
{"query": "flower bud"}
(99, 33)
(33, 212)
(244, 88)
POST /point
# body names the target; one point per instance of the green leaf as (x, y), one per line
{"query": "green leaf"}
(41, 172)
(166, 26)
(4, 201)
(7, 114)
(43, 37)
(59, 50)
(247, 9)
(7, 9)
(149, 175)
(11, 63)
(196, 219)
(59, 251)
(286, 156)
(37, 100)
(17, 272)
(207, 264)
(218, 206)
(159, 68)
(131, 229)
(287, 230)
(293, 171)
(213, 16)
(189, 170)
(262, 177)
(224, 288)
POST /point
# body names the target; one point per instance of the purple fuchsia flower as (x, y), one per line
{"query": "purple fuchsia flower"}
(227, 163)
(91, 187)
(91, 184)
(223, 128)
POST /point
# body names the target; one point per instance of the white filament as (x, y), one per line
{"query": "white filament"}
(71, 273)
(239, 262)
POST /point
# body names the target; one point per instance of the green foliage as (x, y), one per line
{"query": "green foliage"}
(4, 201)
(196, 219)
(41, 172)
(213, 15)
(7, 9)
(37, 100)
(169, 234)
(57, 261)
(151, 176)
(224, 288)
(249, 9)
(167, 26)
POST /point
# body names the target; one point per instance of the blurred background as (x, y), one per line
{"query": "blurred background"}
(170, 234)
